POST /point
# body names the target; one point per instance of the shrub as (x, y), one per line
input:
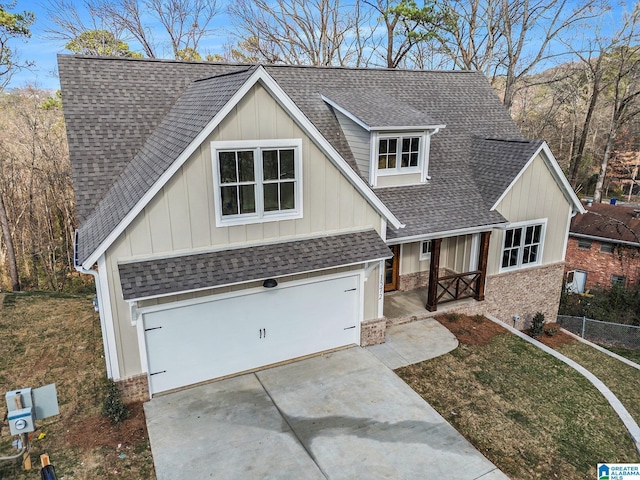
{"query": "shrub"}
(537, 325)
(452, 317)
(112, 405)
(551, 331)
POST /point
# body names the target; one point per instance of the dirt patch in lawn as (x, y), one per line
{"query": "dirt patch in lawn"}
(476, 330)
(98, 431)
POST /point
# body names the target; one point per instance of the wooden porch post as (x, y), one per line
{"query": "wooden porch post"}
(432, 297)
(482, 264)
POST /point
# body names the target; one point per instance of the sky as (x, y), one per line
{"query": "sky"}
(42, 51)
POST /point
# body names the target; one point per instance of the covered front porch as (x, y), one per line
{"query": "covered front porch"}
(437, 271)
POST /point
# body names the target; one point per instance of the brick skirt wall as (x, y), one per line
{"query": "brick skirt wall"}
(411, 281)
(134, 389)
(525, 292)
(372, 332)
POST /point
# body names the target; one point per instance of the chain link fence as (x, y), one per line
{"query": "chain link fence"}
(606, 333)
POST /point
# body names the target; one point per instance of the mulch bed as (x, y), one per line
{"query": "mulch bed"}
(476, 330)
(98, 431)
(557, 339)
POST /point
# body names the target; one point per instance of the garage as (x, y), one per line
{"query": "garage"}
(203, 339)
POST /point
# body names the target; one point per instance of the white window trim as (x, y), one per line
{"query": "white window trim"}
(398, 170)
(425, 256)
(260, 216)
(519, 265)
(423, 158)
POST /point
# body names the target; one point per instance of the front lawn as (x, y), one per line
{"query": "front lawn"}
(53, 338)
(633, 355)
(530, 414)
(622, 379)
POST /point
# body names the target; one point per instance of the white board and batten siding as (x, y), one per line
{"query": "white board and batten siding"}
(359, 140)
(535, 195)
(180, 219)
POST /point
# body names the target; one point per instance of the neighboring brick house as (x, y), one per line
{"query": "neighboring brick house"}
(604, 248)
(245, 215)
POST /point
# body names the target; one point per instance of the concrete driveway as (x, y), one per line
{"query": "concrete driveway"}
(342, 415)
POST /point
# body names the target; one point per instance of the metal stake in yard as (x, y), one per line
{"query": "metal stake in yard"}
(24, 437)
(584, 324)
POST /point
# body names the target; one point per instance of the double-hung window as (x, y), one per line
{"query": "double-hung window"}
(399, 154)
(522, 245)
(257, 181)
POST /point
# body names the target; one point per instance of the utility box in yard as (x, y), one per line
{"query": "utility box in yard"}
(26, 406)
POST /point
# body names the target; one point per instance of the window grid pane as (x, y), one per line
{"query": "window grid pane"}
(237, 179)
(522, 246)
(278, 189)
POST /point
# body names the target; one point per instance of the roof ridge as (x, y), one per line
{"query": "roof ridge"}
(269, 65)
(506, 140)
(226, 74)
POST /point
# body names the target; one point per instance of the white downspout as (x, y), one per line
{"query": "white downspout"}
(96, 278)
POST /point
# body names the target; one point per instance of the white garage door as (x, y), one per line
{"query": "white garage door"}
(193, 343)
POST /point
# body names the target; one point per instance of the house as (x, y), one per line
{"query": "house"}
(236, 216)
(604, 248)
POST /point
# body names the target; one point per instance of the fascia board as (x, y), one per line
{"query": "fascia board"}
(406, 128)
(446, 233)
(283, 99)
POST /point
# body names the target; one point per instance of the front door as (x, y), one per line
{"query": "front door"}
(391, 269)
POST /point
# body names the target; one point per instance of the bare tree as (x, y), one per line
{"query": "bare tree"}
(507, 39)
(185, 22)
(623, 88)
(37, 197)
(302, 32)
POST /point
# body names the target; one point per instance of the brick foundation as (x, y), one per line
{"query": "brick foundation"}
(372, 332)
(411, 281)
(523, 293)
(134, 389)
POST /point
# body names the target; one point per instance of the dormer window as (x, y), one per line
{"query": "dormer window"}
(398, 153)
(399, 158)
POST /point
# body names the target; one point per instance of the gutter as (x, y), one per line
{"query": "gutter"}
(604, 239)
(96, 301)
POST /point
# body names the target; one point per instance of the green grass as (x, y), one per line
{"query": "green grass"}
(55, 338)
(633, 355)
(622, 379)
(530, 414)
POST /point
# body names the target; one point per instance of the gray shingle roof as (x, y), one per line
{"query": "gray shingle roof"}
(496, 162)
(116, 109)
(111, 106)
(377, 109)
(185, 120)
(206, 270)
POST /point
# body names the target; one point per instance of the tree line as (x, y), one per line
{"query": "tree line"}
(567, 70)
